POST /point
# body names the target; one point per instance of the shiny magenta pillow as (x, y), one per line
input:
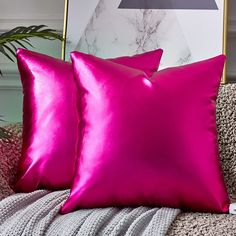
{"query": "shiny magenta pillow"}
(50, 133)
(151, 143)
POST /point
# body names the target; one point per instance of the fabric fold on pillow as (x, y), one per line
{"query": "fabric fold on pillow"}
(147, 62)
(51, 118)
(151, 143)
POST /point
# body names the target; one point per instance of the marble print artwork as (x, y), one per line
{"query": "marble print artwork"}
(101, 28)
(114, 32)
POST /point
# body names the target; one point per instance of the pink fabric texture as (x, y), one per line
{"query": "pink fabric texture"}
(156, 142)
(50, 122)
(147, 62)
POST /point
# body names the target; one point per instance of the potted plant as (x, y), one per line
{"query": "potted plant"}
(20, 37)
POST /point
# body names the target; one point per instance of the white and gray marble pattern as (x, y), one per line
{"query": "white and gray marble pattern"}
(114, 32)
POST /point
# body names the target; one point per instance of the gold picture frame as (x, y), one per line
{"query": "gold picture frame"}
(225, 36)
(225, 33)
(65, 24)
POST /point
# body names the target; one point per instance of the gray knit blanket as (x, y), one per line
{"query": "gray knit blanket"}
(37, 214)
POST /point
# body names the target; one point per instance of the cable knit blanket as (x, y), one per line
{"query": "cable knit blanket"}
(37, 214)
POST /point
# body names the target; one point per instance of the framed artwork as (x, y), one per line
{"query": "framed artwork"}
(187, 30)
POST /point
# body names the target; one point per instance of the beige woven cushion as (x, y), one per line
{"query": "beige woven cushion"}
(226, 122)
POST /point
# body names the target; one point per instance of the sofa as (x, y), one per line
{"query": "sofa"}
(186, 223)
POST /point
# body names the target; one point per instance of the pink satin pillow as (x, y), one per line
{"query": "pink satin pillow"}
(151, 143)
(50, 133)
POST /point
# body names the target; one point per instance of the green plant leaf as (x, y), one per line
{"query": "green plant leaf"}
(20, 36)
(2, 50)
(13, 52)
(27, 41)
(21, 44)
(13, 45)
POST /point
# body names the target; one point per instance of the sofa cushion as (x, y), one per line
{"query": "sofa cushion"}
(226, 123)
(156, 142)
(203, 224)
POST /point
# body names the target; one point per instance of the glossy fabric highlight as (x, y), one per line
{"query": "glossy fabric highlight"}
(156, 142)
(51, 118)
(50, 122)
